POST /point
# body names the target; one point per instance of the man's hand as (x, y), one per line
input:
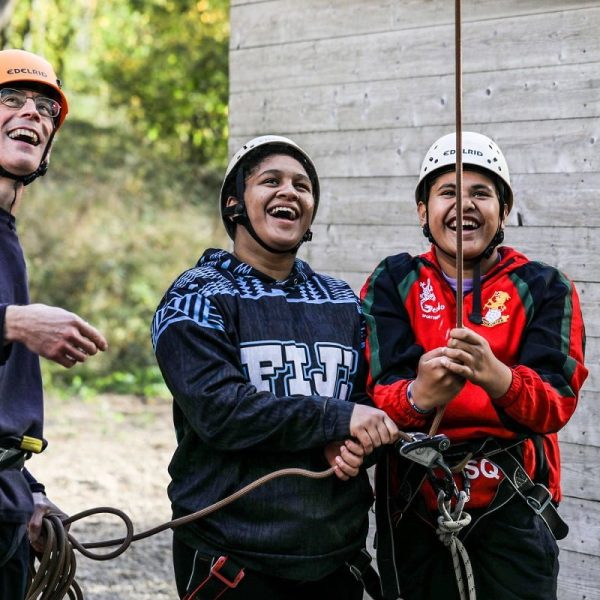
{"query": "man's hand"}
(52, 332)
(372, 427)
(345, 457)
(41, 507)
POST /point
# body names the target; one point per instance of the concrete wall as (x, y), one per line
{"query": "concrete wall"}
(366, 87)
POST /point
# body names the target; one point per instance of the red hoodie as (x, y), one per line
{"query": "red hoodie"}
(532, 321)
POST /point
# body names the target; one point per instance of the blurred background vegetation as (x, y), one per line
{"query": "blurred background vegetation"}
(130, 199)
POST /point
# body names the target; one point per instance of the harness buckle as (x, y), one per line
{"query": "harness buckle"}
(360, 563)
(215, 570)
(535, 504)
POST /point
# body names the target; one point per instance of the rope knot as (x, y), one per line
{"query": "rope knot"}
(450, 523)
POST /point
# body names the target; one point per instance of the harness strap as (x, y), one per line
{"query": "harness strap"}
(225, 574)
(24, 442)
(537, 495)
(360, 567)
(12, 458)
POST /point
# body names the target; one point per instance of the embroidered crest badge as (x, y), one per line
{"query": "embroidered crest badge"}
(496, 306)
(430, 306)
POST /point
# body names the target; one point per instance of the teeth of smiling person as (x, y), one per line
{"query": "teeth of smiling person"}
(283, 212)
(30, 136)
(470, 225)
(467, 224)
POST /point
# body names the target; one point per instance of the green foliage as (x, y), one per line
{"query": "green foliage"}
(161, 63)
(167, 63)
(105, 232)
(47, 27)
(130, 199)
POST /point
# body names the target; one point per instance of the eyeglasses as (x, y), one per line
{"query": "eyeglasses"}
(47, 107)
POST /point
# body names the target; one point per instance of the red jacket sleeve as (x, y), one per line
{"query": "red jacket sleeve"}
(550, 370)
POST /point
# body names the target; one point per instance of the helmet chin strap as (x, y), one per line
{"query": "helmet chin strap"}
(25, 179)
(494, 242)
(39, 172)
(239, 216)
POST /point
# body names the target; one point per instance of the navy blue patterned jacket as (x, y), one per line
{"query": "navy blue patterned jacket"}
(263, 375)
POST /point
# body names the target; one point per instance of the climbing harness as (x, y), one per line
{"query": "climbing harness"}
(14, 451)
(441, 462)
(360, 567)
(537, 496)
(225, 574)
(12, 458)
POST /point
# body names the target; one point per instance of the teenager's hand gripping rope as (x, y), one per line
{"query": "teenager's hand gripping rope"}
(55, 576)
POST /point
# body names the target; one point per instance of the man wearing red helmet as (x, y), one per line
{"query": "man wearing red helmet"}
(32, 108)
(509, 380)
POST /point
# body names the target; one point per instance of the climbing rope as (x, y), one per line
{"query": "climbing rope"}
(55, 575)
(450, 523)
(459, 187)
(54, 578)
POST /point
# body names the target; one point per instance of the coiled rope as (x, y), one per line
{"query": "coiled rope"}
(54, 578)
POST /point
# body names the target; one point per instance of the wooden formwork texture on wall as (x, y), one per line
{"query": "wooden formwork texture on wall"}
(367, 86)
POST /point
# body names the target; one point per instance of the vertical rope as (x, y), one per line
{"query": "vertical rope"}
(459, 185)
(450, 524)
(459, 162)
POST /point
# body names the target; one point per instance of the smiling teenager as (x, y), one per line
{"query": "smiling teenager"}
(32, 108)
(264, 358)
(509, 380)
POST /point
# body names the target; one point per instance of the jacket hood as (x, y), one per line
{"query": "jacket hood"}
(226, 261)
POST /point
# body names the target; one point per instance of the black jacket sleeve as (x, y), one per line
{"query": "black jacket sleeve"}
(203, 372)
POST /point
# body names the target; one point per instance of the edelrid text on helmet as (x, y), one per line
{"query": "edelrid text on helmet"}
(477, 150)
(27, 72)
(22, 67)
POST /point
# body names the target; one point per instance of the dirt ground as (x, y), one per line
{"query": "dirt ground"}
(113, 451)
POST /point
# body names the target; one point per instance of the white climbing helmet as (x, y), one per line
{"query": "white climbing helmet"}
(250, 147)
(478, 151)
